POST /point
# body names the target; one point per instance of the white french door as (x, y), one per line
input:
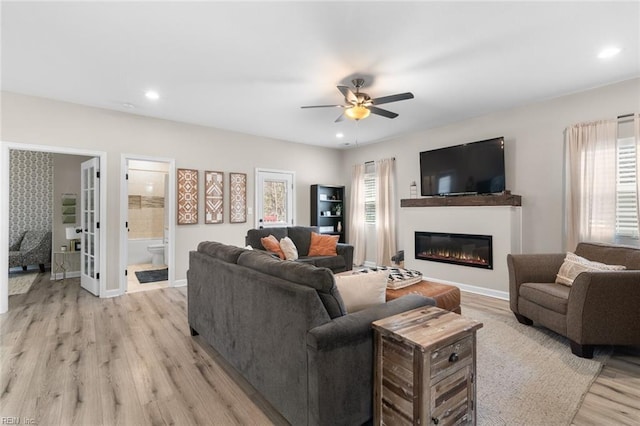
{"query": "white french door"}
(274, 198)
(90, 222)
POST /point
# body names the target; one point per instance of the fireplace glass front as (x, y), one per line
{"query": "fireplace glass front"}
(459, 249)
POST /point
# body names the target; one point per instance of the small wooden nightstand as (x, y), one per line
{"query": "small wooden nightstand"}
(425, 368)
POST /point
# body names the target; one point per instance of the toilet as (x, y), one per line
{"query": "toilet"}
(157, 254)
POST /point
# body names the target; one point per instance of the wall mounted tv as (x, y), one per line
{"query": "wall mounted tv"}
(471, 168)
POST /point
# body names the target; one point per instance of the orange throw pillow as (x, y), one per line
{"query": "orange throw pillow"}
(271, 244)
(323, 245)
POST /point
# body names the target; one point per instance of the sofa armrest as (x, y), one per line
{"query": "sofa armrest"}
(531, 268)
(346, 250)
(347, 329)
(340, 358)
(605, 304)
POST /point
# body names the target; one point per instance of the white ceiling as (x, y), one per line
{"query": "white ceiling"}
(249, 66)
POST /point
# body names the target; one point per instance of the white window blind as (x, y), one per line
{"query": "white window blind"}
(626, 191)
(370, 193)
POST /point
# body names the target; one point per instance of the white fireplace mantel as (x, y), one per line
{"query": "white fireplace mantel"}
(503, 223)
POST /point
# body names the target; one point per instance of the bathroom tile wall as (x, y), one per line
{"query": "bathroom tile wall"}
(146, 204)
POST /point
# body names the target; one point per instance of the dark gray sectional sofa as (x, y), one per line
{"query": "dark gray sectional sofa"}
(283, 326)
(301, 237)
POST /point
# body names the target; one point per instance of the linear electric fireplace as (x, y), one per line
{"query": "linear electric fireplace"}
(459, 249)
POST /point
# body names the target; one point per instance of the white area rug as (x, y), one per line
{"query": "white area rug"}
(528, 375)
(21, 283)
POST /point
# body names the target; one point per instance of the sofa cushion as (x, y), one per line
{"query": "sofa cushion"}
(221, 251)
(574, 265)
(550, 295)
(301, 237)
(288, 248)
(253, 236)
(361, 291)
(320, 279)
(323, 245)
(272, 245)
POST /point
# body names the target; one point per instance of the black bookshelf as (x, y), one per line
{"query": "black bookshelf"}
(328, 210)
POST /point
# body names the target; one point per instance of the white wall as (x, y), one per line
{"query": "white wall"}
(534, 149)
(534, 156)
(38, 121)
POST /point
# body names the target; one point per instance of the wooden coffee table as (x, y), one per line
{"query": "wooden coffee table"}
(446, 296)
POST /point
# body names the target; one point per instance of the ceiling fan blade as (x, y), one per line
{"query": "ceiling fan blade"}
(323, 106)
(382, 112)
(348, 94)
(392, 98)
(340, 118)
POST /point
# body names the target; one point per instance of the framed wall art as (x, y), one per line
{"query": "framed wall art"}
(213, 197)
(238, 197)
(187, 196)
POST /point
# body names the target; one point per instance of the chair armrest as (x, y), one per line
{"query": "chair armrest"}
(346, 250)
(15, 246)
(605, 304)
(531, 268)
(351, 328)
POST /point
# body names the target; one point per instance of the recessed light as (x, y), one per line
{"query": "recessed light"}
(609, 52)
(128, 105)
(152, 95)
(339, 135)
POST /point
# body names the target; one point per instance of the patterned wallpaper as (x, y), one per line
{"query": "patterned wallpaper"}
(30, 192)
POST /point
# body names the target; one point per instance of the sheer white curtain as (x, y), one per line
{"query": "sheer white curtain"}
(356, 225)
(590, 182)
(636, 128)
(385, 211)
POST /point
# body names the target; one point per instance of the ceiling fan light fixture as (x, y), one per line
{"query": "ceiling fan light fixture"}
(357, 112)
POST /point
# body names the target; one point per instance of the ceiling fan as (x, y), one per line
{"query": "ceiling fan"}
(359, 105)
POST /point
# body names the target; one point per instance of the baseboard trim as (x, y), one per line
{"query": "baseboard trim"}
(180, 283)
(497, 294)
(111, 293)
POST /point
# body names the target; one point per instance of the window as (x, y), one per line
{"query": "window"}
(370, 194)
(275, 191)
(626, 192)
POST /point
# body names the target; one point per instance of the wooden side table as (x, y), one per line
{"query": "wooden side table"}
(425, 368)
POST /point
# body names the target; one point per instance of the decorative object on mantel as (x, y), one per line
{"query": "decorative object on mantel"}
(213, 197)
(506, 199)
(187, 196)
(413, 190)
(238, 197)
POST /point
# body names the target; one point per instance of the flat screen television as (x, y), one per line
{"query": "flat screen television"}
(471, 168)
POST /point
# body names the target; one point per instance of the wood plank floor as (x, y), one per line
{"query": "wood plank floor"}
(69, 358)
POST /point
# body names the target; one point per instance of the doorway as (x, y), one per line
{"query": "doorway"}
(148, 209)
(100, 248)
(275, 198)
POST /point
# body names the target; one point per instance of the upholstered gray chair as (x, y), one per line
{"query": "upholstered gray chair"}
(34, 248)
(600, 308)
